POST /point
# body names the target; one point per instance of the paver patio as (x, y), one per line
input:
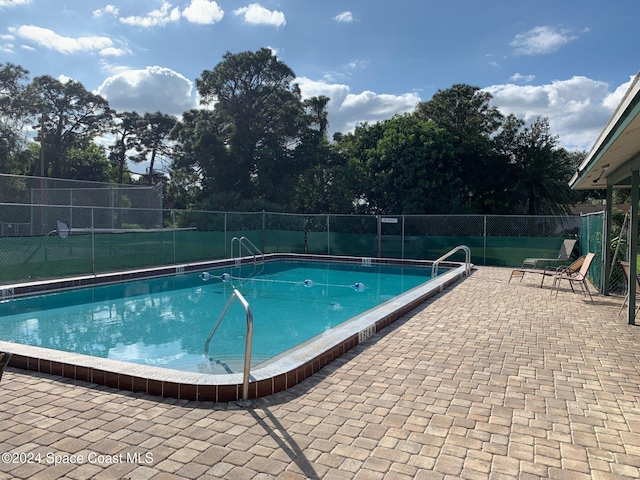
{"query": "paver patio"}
(487, 380)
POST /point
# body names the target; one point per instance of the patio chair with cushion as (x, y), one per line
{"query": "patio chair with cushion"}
(563, 255)
(625, 270)
(573, 276)
(4, 361)
(549, 271)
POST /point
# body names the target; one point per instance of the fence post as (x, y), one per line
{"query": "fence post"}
(402, 250)
(484, 247)
(93, 245)
(379, 218)
(328, 237)
(173, 222)
(226, 253)
(264, 229)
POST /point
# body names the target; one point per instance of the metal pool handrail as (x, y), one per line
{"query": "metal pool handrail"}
(467, 262)
(248, 244)
(247, 349)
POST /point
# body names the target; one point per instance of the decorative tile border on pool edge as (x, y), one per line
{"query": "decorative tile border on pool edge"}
(276, 375)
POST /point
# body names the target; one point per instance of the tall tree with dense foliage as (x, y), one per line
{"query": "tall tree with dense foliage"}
(125, 130)
(325, 184)
(356, 148)
(541, 173)
(14, 116)
(200, 149)
(260, 110)
(409, 168)
(154, 141)
(465, 113)
(90, 164)
(71, 118)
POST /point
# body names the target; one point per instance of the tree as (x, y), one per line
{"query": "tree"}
(71, 118)
(542, 172)
(317, 185)
(89, 163)
(285, 169)
(200, 148)
(125, 130)
(154, 134)
(408, 171)
(461, 109)
(356, 149)
(465, 113)
(14, 115)
(260, 111)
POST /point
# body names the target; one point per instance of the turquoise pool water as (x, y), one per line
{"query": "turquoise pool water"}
(165, 321)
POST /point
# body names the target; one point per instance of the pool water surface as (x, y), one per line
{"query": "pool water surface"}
(165, 321)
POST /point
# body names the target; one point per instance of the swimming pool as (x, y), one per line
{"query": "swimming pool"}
(149, 334)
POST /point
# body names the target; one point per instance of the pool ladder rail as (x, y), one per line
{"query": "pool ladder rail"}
(467, 261)
(258, 256)
(245, 402)
(249, 247)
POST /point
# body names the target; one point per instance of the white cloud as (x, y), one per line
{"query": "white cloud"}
(204, 12)
(49, 39)
(518, 77)
(113, 52)
(541, 40)
(577, 108)
(258, 15)
(345, 110)
(314, 88)
(13, 3)
(274, 51)
(111, 69)
(156, 18)
(109, 9)
(346, 70)
(149, 90)
(612, 101)
(344, 17)
(357, 64)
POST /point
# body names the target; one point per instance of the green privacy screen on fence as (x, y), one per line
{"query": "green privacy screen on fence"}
(591, 228)
(106, 239)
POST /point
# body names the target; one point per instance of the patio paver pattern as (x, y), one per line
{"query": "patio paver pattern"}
(487, 380)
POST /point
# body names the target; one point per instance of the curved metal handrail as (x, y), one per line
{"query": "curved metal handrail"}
(467, 251)
(249, 340)
(248, 244)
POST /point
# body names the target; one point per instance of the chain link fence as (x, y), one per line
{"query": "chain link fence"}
(108, 238)
(114, 199)
(592, 235)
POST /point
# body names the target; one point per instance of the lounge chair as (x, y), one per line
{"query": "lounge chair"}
(563, 255)
(573, 276)
(625, 270)
(4, 361)
(549, 271)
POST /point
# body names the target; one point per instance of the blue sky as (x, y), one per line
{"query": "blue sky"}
(568, 60)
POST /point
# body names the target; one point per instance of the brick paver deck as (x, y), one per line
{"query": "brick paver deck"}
(487, 380)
